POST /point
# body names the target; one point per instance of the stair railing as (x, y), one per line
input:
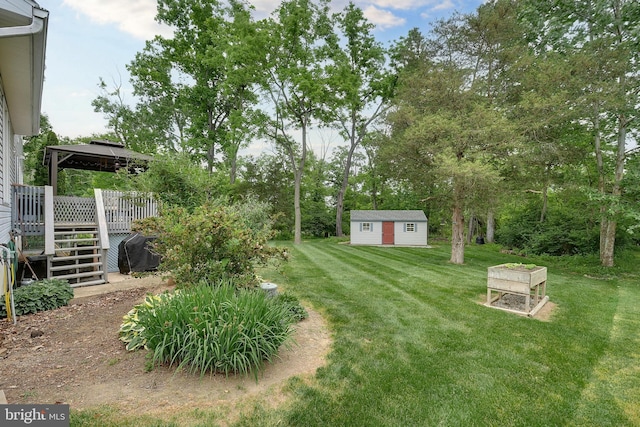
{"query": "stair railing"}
(103, 231)
(49, 224)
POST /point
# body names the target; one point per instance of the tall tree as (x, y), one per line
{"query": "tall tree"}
(193, 87)
(163, 113)
(451, 125)
(600, 39)
(212, 46)
(296, 83)
(361, 86)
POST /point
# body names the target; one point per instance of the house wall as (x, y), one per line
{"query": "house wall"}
(7, 170)
(373, 237)
(401, 237)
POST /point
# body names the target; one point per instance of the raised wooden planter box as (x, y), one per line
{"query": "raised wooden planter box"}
(518, 279)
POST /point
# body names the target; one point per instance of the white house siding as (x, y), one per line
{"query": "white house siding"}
(6, 137)
(373, 237)
(405, 238)
(22, 56)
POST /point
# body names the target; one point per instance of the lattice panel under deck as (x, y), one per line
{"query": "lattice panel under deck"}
(76, 210)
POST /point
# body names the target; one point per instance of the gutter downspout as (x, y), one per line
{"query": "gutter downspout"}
(35, 27)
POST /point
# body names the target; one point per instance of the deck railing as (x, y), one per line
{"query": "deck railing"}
(121, 209)
(27, 210)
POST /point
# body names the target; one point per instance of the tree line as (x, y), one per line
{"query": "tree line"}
(516, 123)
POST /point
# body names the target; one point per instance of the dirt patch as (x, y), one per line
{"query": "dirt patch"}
(73, 355)
(517, 303)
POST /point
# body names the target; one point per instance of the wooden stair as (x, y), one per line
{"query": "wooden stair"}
(79, 258)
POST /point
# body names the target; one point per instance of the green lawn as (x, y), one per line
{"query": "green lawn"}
(413, 346)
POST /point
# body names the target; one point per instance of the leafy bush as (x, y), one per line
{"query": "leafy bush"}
(213, 328)
(293, 306)
(570, 227)
(179, 181)
(217, 241)
(42, 295)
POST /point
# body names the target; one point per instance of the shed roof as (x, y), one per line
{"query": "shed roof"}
(389, 215)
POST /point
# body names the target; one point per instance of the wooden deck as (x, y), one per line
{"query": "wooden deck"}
(64, 228)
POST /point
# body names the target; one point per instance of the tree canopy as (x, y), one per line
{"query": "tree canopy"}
(509, 121)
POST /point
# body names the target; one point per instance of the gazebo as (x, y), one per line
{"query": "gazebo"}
(98, 155)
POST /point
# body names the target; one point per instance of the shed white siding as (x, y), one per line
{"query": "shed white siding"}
(403, 237)
(409, 227)
(360, 235)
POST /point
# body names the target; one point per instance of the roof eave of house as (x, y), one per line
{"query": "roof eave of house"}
(22, 64)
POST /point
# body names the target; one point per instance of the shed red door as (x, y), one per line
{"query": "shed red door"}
(387, 233)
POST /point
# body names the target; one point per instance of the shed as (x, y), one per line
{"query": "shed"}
(389, 227)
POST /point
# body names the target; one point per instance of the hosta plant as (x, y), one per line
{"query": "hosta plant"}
(41, 295)
(131, 330)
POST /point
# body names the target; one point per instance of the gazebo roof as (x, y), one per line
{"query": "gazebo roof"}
(103, 156)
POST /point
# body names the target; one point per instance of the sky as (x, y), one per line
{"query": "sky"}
(92, 39)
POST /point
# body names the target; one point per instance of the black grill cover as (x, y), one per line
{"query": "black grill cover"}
(134, 254)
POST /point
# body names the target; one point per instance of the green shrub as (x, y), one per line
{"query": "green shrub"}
(42, 295)
(176, 180)
(570, 226)
(218, 328)
(217, 241)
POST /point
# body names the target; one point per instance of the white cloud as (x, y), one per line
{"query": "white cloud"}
(263, 8)
(382, 18)
(402, 4)
(445, 5)
(135, 17)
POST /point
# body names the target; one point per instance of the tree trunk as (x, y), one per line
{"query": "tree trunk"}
(606, 256)
(297, 239)
(374, 195)
(339, 210)
(297, 236)
(354, 140)
(491, 226)
(472, 229)
(211, 157)
(231, 153)
(340, 201)
(545, 195)
(607, 253)
(233, 169)
(343, 188)
(457, 230)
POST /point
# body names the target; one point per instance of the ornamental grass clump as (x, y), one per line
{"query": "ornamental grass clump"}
(208, 328)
